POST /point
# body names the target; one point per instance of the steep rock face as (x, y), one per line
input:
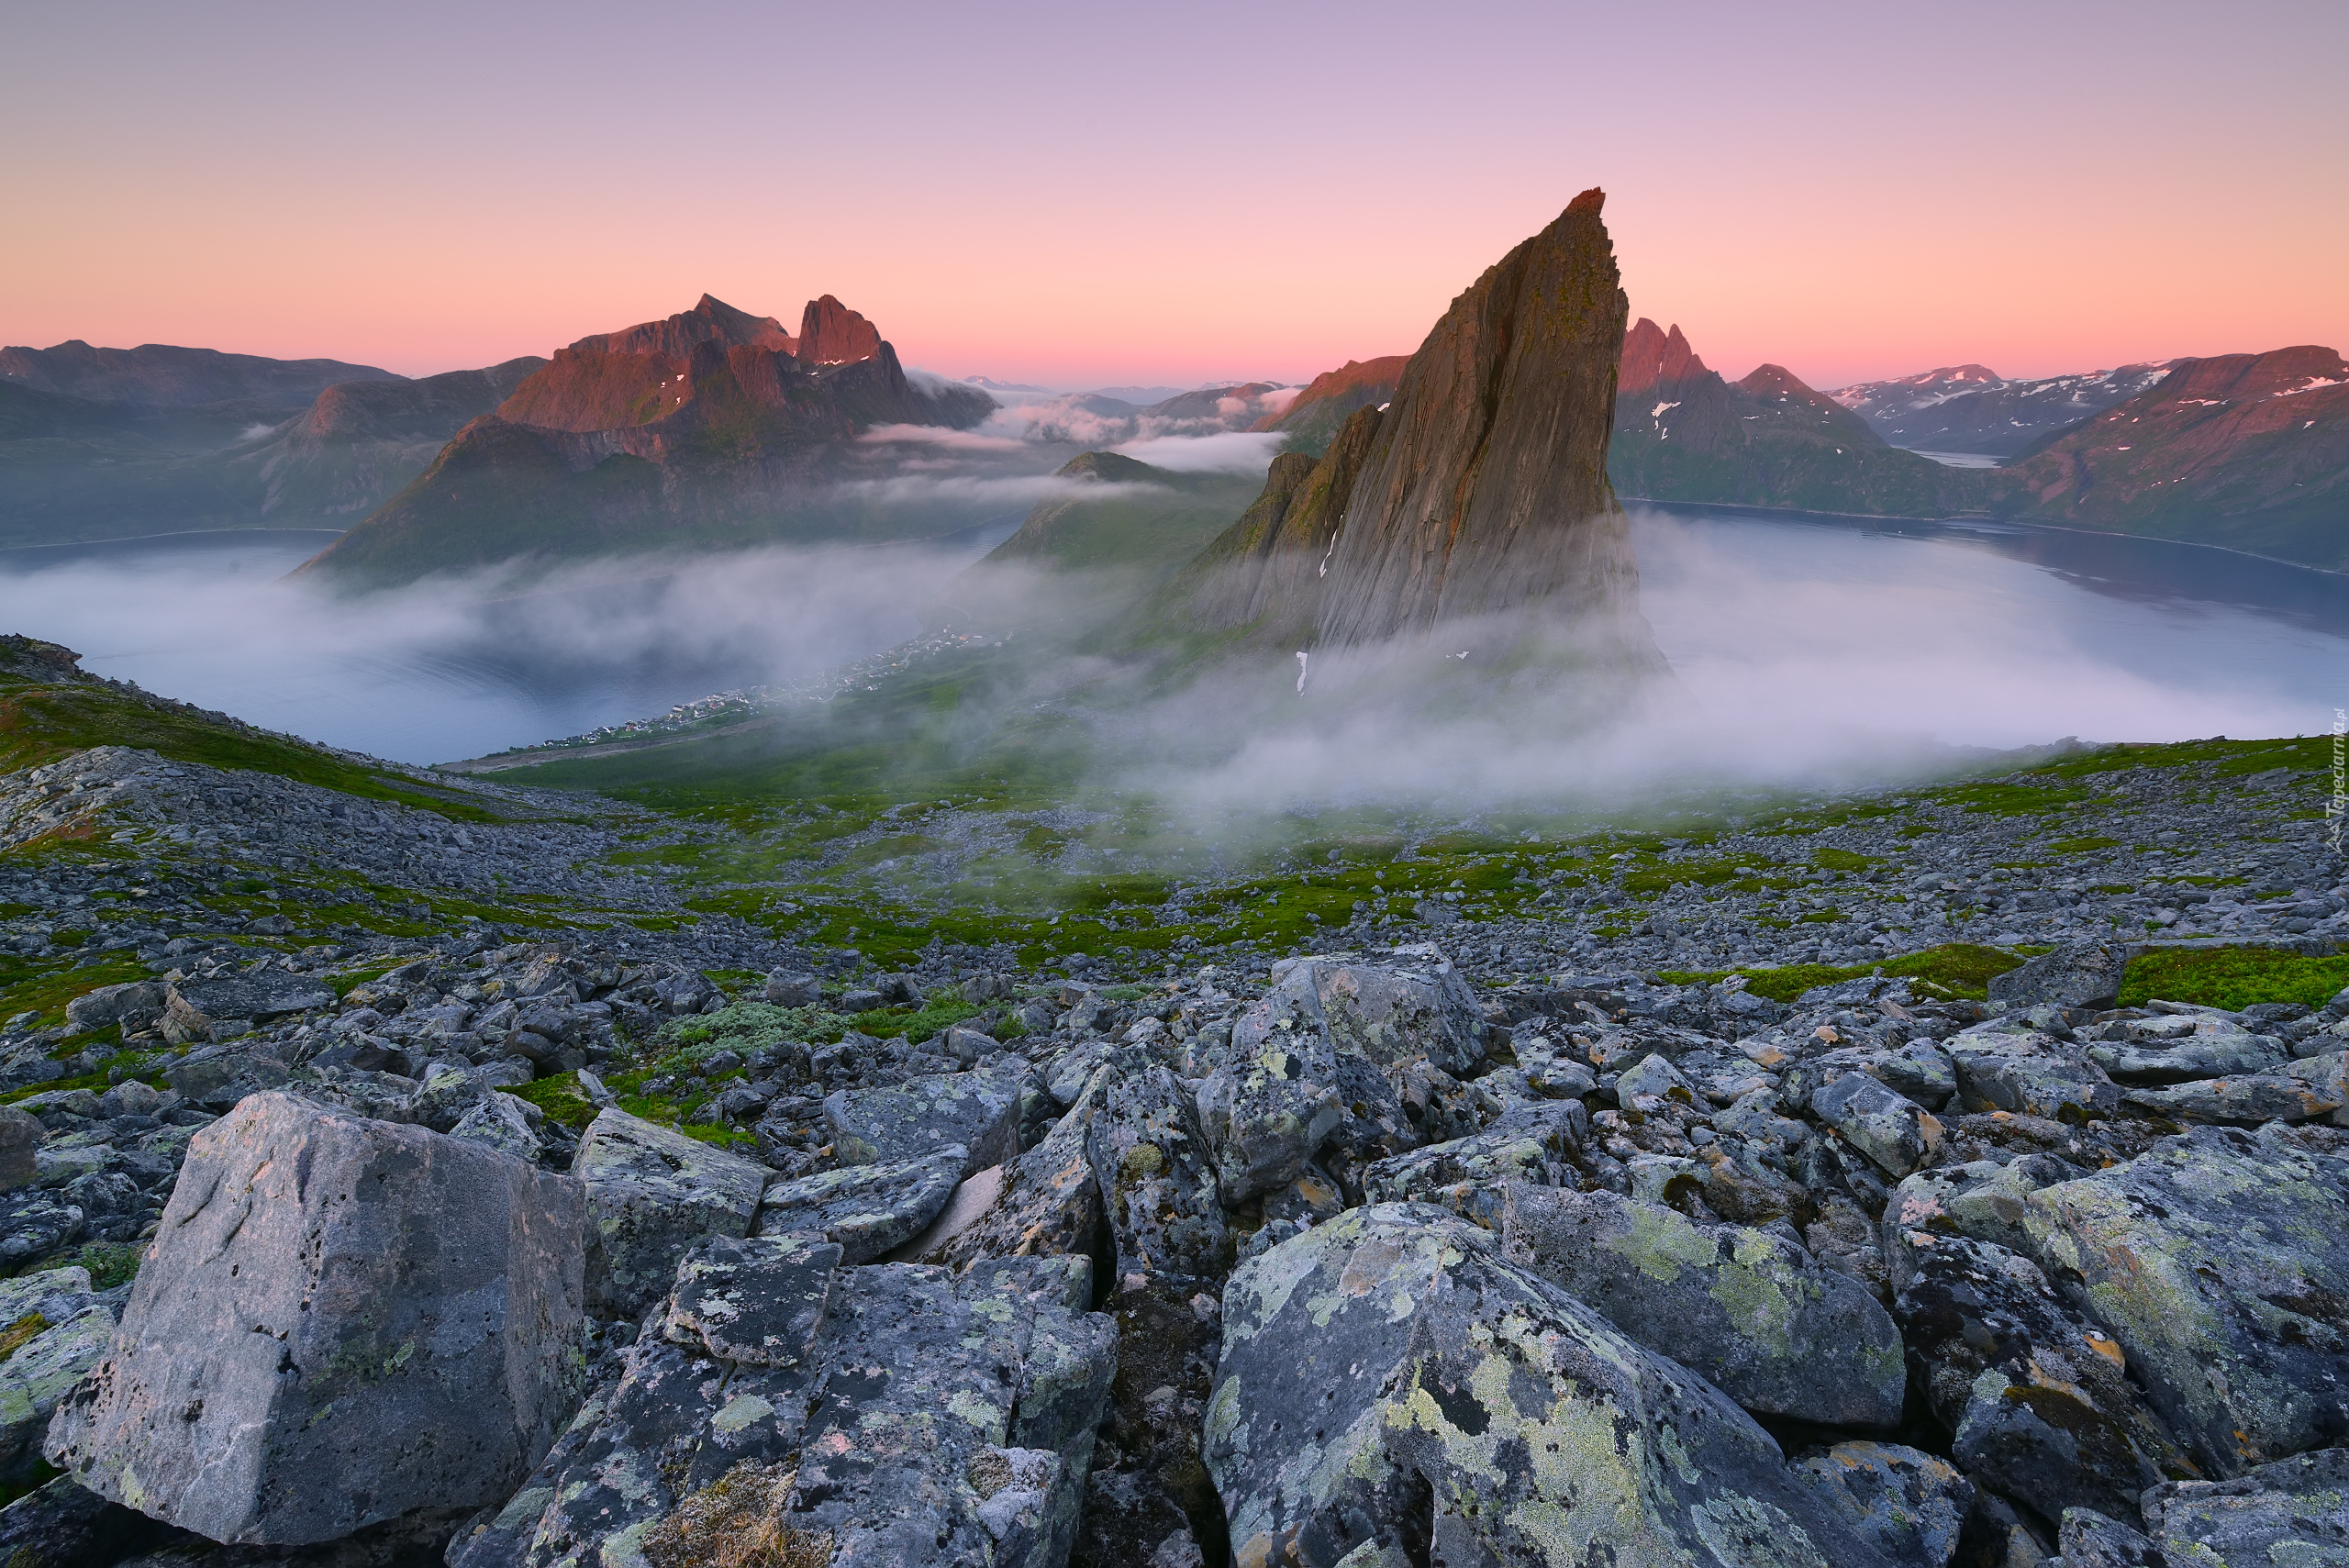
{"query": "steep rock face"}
(1653, 358)
(710, 320)
(1311, 422)
(1487, 488)
(2249, 450)
(1267, 571)
(832, 334)
(162, 375)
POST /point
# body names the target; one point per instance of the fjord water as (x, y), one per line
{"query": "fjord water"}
(1982, 635)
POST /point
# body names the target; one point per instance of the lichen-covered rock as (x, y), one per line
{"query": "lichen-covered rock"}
(1156, 1179)
(503, 1122)
(868, 1209)
(2294, 1512)
(1416, 1005)
(1267, 1111)
(1980, 1199)
(2090, 1539)
(2220, 1260)
(2208, 1047)
(2246, 1101)
(977, 1111)
(1392, 1387)
(1535, 1143)
(341, 1322)
(755, 1303)
(651, 1193)
(1890, 1129)
(2039, 1400)
(1748, 1309)
(1910, 1505)
(2030, 1075)
(1048, 1201)
(925, 1419)
(38, 1373)
(20, 1134)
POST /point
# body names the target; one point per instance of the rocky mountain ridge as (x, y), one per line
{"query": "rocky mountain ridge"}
(703, 429)
(161, 375)
(1971, 408)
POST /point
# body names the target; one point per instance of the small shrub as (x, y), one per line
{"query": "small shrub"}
(559, 1099)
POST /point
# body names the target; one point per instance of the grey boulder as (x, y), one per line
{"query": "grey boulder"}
(978, 1111)
(1157, 1183)
(867, 1209)
(342, 1321)
(1393, 1389)
(269, 994)
(1749, 1309)
(1416, 1006)
(1910, 1505)
(1269, 1109)
(2295, 1511)
(2039, 1401)
(2218, 1259)
(651, 1193)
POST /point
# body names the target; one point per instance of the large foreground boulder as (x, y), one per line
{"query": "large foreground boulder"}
(652, 1193)
(1773, 1329)
(1393, 1389)
(2220, 1261)
(341, 1322)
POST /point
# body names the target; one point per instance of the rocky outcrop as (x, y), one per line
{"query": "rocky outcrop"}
(832, 334)
(1487, 489)
(1683, 433)
(651, 1193)
(344, 1321)
(1478, 498)
(705, 425)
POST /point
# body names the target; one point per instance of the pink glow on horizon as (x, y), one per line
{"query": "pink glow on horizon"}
(1089, 199)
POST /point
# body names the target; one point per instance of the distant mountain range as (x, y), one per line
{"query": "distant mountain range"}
(102, 442)
(1969, 408)
(2246, 450)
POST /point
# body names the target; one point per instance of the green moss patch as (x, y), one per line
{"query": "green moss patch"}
(559, 1099)
(2232, 978)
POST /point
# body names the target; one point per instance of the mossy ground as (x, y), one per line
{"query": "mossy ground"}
(2233, 977)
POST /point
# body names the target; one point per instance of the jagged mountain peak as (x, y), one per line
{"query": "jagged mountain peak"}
(832, 334)
(1653, 358)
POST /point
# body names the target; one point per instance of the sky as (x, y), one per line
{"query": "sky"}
(1081, 195)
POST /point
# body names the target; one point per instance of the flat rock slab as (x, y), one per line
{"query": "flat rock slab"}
(867, 1209)
(1773, 1328)
(340, 1321)
(755, 1303)
(268, 995)
(2220, 1261)
(977, 1111)
(652, 1193)
(1392, 1387)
